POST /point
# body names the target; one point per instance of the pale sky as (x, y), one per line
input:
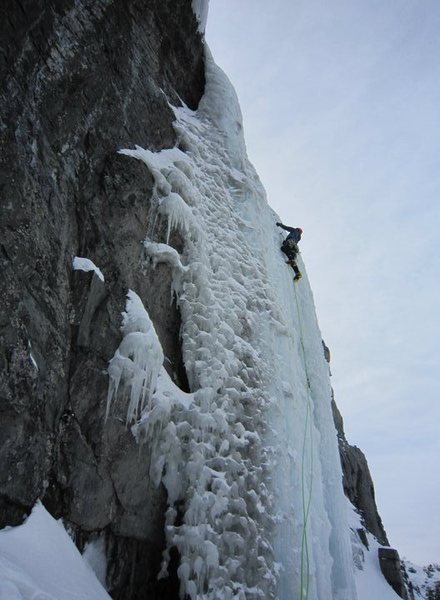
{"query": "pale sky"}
(341, 106)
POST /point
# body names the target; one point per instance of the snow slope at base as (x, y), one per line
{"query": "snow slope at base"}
(39, 561)
(370, 583)
(422, 578)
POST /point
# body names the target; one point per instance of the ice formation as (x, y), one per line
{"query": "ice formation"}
(137, 361)
(249, 458)
(200, 9)
(85, 264)
(94, 555)
(178, 214)
(163, 253)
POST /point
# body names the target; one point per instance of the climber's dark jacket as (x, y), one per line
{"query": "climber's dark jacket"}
(294, 232)
(289, 246)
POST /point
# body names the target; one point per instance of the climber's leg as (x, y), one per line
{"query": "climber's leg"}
(297, 272)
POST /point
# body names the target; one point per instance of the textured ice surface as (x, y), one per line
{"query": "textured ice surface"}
(249, 458)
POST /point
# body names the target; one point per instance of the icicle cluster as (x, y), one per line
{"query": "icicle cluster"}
(209, 453)
(179, 215)
(137, 361)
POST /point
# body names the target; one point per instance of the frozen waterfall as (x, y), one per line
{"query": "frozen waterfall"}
(251, 454)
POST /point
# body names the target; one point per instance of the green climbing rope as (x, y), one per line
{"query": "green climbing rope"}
(306, 500)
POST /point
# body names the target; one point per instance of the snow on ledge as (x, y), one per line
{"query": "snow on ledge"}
(38, 560)
(85, 264)
(163, 253)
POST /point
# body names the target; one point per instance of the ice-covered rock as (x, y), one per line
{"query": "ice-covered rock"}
(137, 361)
(200, 8)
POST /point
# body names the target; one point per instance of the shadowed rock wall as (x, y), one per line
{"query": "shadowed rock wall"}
(78, 80)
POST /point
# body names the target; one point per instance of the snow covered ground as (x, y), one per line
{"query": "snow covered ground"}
(425, 580)
(39, 561)
(370, 583)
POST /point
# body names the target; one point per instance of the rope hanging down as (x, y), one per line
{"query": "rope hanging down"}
(306, 499)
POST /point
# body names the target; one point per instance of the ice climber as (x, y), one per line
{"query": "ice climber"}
(290, 247)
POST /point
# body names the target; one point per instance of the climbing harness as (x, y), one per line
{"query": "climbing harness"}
(306, 499)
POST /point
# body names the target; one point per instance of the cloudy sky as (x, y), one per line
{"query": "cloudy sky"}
(341, 105)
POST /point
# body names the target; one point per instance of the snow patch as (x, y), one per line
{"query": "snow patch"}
(156, 161)
(39, 561)
(85, 264)
(163, 253)
(425, 580)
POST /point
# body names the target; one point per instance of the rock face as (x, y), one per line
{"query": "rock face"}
(389, 561)
(78, 80)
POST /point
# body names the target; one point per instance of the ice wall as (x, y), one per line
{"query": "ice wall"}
(249, 458)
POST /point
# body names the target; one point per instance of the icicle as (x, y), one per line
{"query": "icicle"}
(179, 215)
(137, 361)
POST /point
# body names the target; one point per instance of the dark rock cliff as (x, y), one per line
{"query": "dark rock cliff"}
(80, 78)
